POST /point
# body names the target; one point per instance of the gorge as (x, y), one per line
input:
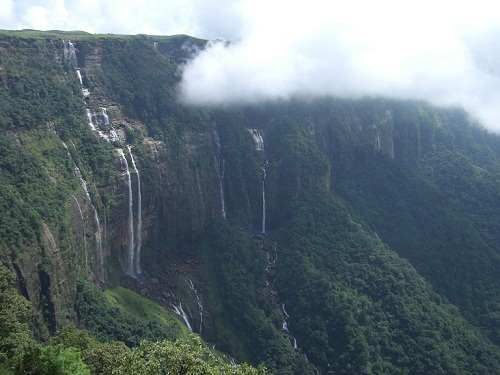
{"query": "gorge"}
(385, 214)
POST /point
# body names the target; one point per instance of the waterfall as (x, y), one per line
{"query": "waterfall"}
(114, 136)
(295, 344)
(69, 52)
(198, 300)
(221, 183)
(97, 223)
(89, 119)
(104, 116)
(99, 244)
(180, 311)
(72, 54)
(79, 76)
(221, 166)
(284, 311)
(285, 326)
(98, 237)
(264, 201)
(257, 138)
(130, 266)
(83, 226)
(139, 216)
(66, 50)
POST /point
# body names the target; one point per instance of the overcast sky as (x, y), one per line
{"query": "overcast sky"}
(446, 52)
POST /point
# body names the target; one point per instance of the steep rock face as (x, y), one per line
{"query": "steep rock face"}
(221, 190)
(90, 236)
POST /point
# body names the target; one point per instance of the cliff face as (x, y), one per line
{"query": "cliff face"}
(234, 212)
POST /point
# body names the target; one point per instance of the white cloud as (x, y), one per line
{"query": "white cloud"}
(438, 50)
(392, 48)
(6, 11)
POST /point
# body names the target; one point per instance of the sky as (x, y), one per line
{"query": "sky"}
(441, 51)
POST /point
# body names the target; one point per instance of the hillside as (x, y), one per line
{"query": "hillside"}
(308, 235)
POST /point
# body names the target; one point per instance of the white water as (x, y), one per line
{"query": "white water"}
(139, 216)
(96, 218)
(66, 50)
(264, 201)
(130, 221)
(284, 311)
(83, 226)
(221, 166)
(285, 326)
(79, 76)
(257, 138)
(89, 119)
(72, 53)
(295, 344)
(104, 116)
(180, 311)
(69, 52)
(198, 300)
(221, 182)
(97, 223)
(99, 244)
(114, 136)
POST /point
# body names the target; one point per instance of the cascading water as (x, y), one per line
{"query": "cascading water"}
(69, 52)
(83, 226)
(79, 76)
(223, 203)
(98, 237)
(130, 223)
(139, 216)
(89, 119)
(221, 164)
(97, 223)
(257, 138)
(104, 116)
(284, 311)
(198, 300)
(180, 311)
(264, 201)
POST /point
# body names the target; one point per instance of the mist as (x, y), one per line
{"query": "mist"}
(439, 52)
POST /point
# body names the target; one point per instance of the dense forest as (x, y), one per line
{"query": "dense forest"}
(141, 235)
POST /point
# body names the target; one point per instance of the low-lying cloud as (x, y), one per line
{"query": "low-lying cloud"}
(442, 51)
(444, 54)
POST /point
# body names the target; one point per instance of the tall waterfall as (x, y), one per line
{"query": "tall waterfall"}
(198, 300)
(130, 223)
(97, 233)
(98, 237)
(221, 164)
(139, 216)
(264, 201)
(222, 188)
(84, 234)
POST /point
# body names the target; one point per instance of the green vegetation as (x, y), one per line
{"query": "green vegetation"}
(126, 323)
(384, 216)
(144, 309)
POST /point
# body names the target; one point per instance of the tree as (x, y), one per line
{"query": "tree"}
(180, 357)
(15, 312)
